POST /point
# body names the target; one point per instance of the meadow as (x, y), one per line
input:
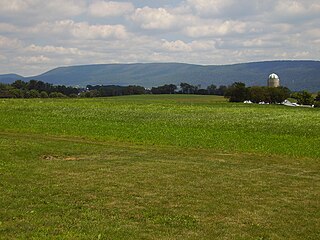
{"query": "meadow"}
(158, 167)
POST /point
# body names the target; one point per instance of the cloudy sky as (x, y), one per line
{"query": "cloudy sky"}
(38, 35)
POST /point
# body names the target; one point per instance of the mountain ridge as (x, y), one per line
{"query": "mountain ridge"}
(294, 74)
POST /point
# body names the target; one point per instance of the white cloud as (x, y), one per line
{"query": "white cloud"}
(86, 31)
(181, 46)
(292, 55)
(293, 12)
(2, 58)
(290, 7)
(204, 45)
(228, 9)
(301, 55)
(258, 43)
(313, 33)
(9, 43)
(178, 46)
(209, 7)
(23, 11)
(164, 20)
(154, 18)
(81, 30)
(297, 8)
(33, 59)
(216, 28)
(64, 8)
(52, 49)
(13, 6)
(37, 35)
(5, 27)
(110, 8)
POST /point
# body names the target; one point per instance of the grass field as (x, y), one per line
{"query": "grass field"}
(158, 167)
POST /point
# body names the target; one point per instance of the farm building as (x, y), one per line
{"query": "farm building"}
(273, 80)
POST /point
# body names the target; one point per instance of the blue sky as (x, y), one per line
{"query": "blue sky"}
(37, 35)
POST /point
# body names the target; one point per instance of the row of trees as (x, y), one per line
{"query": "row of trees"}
(36, 89)
(39, 89)
(185, 88)
(238, 92)
(306, 98)
(112, 90)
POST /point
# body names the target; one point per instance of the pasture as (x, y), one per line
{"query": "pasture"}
(158, 167)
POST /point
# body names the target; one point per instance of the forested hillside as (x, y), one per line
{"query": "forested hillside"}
(296, 75)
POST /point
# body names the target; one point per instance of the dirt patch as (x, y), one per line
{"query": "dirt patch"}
(71, 158)
(55, 157)
(49, 157)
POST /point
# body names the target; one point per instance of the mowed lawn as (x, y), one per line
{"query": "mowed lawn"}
(158, 167)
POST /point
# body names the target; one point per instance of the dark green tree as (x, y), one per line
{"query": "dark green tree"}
(165, 89)
(61, 95)
(19, 84)
(34, 94)
(32, 84)
(221, 90)
(5, 91)
(211, 89)
(304, 98)
(188, 89)
(44, 94)
(135, 90)
(17, 93)
(258, 94)
(53, 95)
(278, 94)
(237, 92)
(317, 99)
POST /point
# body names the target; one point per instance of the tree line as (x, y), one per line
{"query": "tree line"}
(238, 92)
(112, 90)
(36, 89)
(186, 88)
(39, 89)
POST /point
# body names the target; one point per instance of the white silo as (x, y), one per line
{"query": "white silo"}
(273, 80)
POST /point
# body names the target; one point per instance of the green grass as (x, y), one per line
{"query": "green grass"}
(158, 167)
(193, 121)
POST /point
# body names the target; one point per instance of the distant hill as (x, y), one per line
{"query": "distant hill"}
(296, 75)
(9, 78)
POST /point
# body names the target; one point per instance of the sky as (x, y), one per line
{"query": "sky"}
(37, 35)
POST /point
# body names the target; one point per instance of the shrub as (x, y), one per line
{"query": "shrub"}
(53, 95)
(237, 92)
(303, 97)
(34, 93)
(73, 95)
(44, 94)
(317, 104)
(16, 93)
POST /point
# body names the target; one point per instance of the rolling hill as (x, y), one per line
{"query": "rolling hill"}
(296, 75)
(9, 78)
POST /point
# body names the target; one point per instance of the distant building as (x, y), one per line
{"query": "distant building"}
(273, 80)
